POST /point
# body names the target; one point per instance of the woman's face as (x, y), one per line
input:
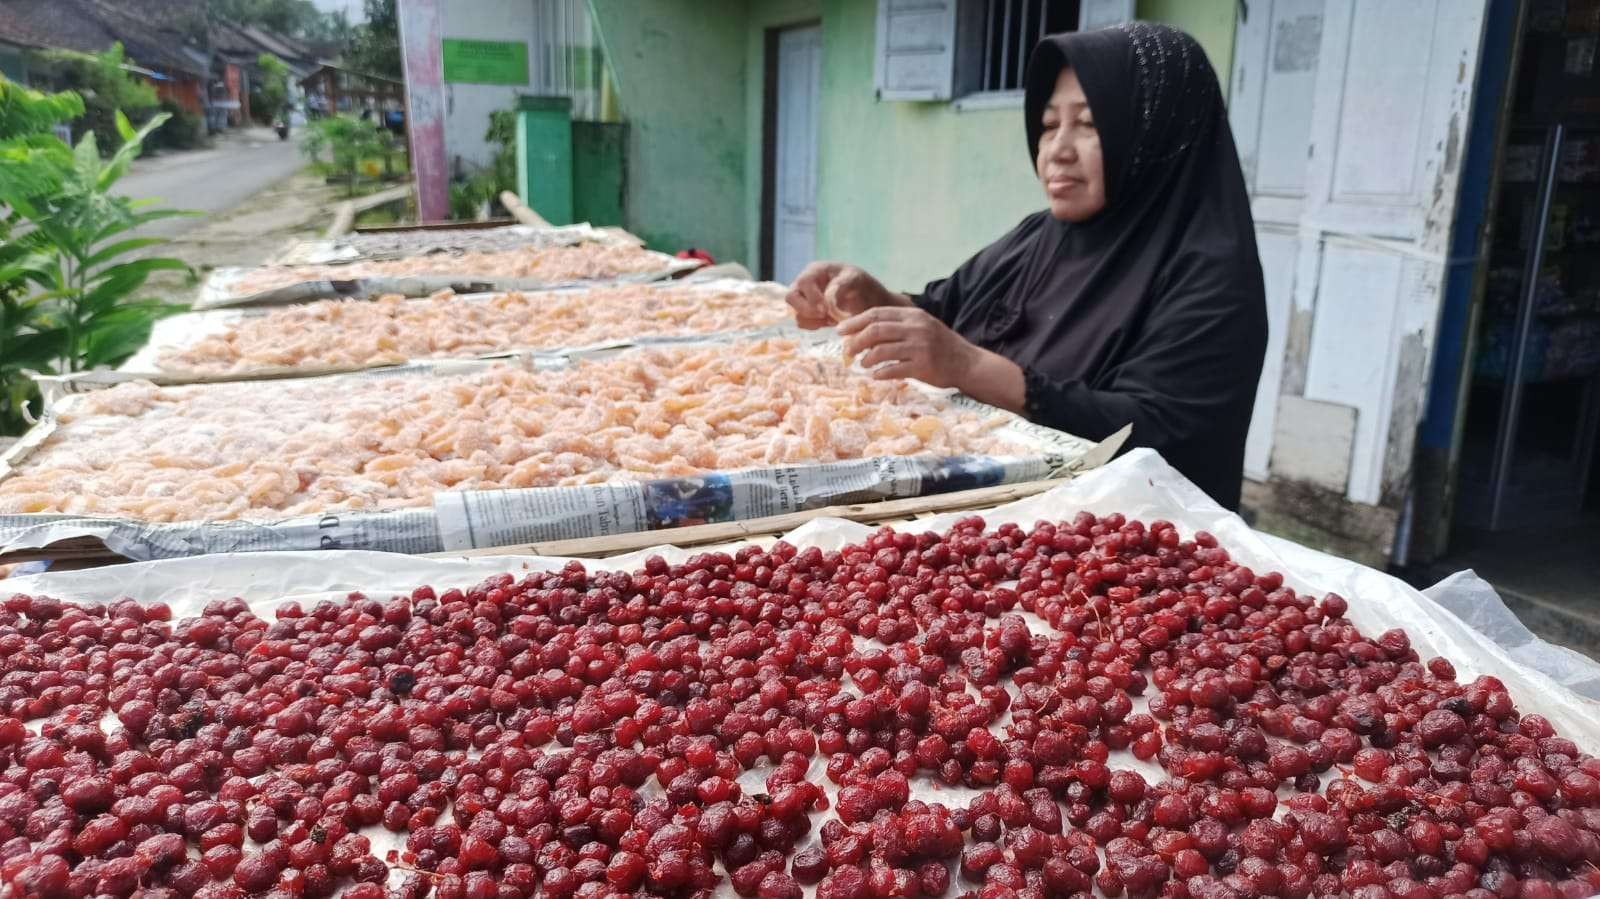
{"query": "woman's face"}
(1069, 162)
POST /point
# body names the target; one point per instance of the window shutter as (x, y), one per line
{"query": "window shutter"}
(916, 56)
(1094, 14)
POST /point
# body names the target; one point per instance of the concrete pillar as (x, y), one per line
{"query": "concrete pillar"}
(423, 62)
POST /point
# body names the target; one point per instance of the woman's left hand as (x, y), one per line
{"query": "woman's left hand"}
(913, 343)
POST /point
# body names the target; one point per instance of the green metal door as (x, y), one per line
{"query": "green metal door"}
(544, 156)
(598, 166)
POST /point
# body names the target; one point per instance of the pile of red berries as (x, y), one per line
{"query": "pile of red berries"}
(663, 731)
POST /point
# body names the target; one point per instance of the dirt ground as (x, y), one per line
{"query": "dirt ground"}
(251, 233)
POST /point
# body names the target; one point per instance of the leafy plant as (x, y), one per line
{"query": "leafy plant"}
(468, 198)
(348, 143)
(69, 277)
(106, 88)
(503, 134)
(183, 131)
(375, 43)
(273, 94)
(33, 163)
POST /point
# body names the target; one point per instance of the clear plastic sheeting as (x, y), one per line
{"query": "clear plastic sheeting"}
(1476, 603)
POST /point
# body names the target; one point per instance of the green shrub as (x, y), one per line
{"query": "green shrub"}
(271, 93)
(467, 197)
(68, 281)
(348, 143)
(106, 87)
(183, 131)
(503, 134)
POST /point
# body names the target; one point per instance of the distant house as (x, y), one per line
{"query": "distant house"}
(16, 41)
(237, 48)
(14, 61)
(335, 89)
(204, 66)
(164, 39)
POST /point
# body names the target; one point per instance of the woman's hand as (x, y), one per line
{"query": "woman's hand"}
(907, 343)
(895, 342)
(829, 292)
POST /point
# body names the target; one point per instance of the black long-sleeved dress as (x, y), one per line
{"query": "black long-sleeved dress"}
(1153, 312)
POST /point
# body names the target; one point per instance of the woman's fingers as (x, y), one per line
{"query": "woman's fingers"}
(875, 315)
(840, 298)
(805, 296)
(873, 334)
(905, 342)
(893, 351)
(853, 291)
(808, 311)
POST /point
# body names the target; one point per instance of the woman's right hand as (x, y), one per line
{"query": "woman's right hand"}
(829, 292)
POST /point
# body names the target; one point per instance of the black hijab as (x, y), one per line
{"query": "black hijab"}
(1152, 312)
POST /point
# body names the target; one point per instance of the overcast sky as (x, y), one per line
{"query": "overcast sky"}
(351, 7)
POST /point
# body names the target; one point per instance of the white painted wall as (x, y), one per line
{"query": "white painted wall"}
(467, 106)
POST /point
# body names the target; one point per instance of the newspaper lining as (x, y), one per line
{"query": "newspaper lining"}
(484, 518)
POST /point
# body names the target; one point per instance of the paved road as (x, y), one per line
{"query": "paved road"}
(211, 181)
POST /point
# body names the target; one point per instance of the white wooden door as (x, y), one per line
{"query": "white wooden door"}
(1372, 212)
(794, 233)
(1274, 86)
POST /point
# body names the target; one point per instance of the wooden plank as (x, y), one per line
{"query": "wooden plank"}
(344, 215)
(520, 211)
(384, 197)
(344, 218)
(526, 216)
(622, 235)
(486, 225)
(722, 532)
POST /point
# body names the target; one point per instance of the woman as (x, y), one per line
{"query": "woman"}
(1136, 297)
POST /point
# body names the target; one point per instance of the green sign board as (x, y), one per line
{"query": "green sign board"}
(485, 62)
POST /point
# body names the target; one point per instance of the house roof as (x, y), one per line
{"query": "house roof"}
(243, 43)
(152, 32)
(334, 67)
(278, 45)
(16, 29)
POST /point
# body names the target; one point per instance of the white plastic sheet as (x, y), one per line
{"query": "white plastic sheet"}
(1140, 485)
(1475, 602)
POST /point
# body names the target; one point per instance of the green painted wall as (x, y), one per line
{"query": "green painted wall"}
(910, 190)
(1211, 22)
(680, 71)
(907, 190)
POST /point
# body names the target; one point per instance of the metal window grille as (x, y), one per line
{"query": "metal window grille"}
(1011, 28)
